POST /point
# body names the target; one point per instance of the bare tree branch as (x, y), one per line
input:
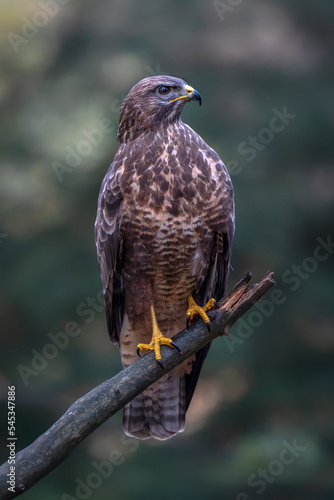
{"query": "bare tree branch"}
(94, 408)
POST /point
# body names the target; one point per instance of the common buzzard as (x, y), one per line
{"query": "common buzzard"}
(164, 230)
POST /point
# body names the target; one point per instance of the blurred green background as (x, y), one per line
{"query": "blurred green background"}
(66, 67)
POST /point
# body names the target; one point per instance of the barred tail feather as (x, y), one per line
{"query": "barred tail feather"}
(158, 412)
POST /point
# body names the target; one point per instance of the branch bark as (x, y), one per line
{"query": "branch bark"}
(94, 408)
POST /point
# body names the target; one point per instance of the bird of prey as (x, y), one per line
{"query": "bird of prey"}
(164, 231)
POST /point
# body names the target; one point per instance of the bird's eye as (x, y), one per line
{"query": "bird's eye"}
(163, 90)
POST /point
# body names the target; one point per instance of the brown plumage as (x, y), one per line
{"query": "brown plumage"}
(164, 230)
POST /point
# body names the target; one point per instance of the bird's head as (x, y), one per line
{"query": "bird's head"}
(151, 102)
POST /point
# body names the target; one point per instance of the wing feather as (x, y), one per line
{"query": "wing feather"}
(109, 247)
(215, 280)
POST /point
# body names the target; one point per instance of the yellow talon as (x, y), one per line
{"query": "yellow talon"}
(157, 340)
(195, 310)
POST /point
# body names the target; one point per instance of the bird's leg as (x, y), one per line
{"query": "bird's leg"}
(194, 310)
(157, 340)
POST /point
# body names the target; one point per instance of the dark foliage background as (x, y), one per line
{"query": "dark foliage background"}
(66, 67)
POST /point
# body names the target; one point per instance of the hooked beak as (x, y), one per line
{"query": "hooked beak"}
(192, 95)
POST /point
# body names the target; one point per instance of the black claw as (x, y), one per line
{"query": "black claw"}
(208, 326)
(188, 321)
(138, 352)
(160, 363)
(176, 347)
